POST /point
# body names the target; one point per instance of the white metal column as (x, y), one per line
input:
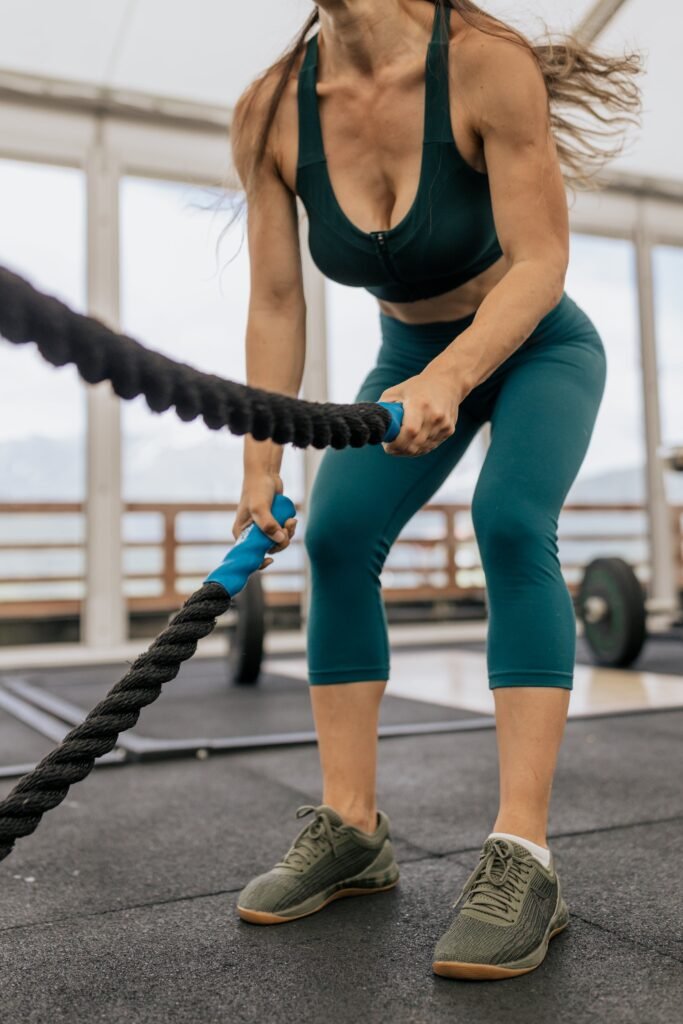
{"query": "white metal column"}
(104, 612)
(315, 384)
(597, 19)
(663, 594)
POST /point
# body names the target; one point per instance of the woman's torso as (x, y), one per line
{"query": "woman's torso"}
(408, 200)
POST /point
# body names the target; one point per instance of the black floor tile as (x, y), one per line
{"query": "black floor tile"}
(363, 959)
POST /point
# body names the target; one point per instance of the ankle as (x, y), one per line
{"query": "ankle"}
(517, 826)
(367, 825)
(360, 816)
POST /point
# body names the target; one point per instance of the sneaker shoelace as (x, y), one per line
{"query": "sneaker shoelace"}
(498, 882)
(315, 838)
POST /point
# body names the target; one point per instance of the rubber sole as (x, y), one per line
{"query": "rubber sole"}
(263, 917)
(487, 972)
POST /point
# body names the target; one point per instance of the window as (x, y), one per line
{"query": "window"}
(668, 274)
(602, 280)
(42, 409)
(182, 297)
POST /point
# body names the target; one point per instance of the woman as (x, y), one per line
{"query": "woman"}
(426, 143)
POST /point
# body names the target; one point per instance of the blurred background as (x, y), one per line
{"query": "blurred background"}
(115, 192)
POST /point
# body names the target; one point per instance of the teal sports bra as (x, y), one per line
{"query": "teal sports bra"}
(448, 235)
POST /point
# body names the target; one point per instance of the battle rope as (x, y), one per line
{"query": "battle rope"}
(48, 783)
(64, 336)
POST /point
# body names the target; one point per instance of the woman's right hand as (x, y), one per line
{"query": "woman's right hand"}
(258, 491)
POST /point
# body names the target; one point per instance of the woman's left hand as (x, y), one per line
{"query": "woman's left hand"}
(430, 412)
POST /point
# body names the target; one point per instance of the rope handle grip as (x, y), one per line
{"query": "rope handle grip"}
(248, 552)
(395, 410)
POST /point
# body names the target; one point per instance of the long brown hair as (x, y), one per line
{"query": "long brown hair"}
(592, 97)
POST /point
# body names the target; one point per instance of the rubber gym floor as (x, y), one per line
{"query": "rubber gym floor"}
(121, 907)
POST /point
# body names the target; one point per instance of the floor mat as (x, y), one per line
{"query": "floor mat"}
(19, 744)
(121, 907)
(200, 702)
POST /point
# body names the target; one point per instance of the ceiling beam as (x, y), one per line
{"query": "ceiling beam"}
(597, 18)
(162, 111)
(642, 186)
(101, 101)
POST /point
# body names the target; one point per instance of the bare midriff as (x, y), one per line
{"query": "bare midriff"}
(451, 305)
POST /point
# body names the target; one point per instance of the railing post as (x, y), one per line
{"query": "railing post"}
(677, 532)
(170, 573)
(451, 547)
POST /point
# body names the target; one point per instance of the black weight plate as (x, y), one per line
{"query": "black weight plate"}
(246, 639)
(618, 638)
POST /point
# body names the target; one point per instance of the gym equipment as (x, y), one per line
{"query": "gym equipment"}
(48, 783)
(64, 336)
(247, 635)
(613, 605)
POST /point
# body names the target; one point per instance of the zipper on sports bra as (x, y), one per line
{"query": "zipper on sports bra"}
(382, 246)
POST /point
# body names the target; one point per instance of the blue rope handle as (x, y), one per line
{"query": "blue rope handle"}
(395, 410)
(248, 552)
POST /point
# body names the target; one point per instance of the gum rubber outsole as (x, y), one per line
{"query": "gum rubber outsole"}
(486, 972)
(263, 917)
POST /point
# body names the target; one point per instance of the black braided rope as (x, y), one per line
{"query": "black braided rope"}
(64, 336)
(48, 784)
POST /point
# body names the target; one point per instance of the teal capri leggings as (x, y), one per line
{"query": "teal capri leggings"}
(542, 403)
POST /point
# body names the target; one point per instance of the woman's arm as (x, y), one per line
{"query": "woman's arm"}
(276, 334)
(276, 324)
(510, 107)
(504, 90)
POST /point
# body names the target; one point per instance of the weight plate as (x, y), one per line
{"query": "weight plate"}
(246, 638)
(612, 607)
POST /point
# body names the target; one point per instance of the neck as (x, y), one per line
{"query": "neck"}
(366, 35)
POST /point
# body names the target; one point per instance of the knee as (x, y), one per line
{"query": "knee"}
(507, 527)
(318, 539)
(336, 542)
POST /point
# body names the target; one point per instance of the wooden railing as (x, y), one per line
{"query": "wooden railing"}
(170, 547)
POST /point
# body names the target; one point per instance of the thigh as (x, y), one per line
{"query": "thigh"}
(363, 496)
(542, 422)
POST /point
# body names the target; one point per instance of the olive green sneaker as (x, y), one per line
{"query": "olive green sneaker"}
(326, 861)
(513, 907)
